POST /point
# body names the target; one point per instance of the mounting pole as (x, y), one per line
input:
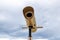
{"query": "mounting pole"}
(30, 33)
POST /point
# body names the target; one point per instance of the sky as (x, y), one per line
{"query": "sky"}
(47, 14)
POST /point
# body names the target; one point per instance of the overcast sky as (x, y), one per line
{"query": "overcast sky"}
(47, 14)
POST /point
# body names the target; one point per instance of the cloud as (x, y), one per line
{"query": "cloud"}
(46, 12)
(19, 39)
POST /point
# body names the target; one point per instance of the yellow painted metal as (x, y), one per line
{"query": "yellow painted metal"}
(30, 20)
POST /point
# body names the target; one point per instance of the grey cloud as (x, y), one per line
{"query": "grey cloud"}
(48, 18)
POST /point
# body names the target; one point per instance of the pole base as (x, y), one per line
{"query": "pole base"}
(30, 38)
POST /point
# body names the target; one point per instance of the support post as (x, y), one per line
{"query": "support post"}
(30, 34)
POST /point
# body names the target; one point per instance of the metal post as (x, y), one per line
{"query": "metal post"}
(30, 36)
